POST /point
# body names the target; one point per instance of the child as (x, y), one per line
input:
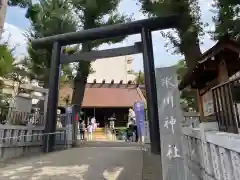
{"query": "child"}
(90, 131)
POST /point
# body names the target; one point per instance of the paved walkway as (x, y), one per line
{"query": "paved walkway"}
(94, 161)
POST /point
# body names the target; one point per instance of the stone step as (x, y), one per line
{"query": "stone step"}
(99, 130)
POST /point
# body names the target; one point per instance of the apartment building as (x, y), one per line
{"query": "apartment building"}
(116, 68)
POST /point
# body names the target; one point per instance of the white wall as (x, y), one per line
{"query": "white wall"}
(112, 69)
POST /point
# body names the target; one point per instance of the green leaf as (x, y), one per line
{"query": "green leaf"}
(6, 60)
(48, 17)
(188, 97)
(20, 3)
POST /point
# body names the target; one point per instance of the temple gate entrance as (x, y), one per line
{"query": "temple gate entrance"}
(144, 27)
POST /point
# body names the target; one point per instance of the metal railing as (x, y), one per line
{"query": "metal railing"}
(13, 117)
(24, 118)
(225, 105)
(64, 119)
(60, 139)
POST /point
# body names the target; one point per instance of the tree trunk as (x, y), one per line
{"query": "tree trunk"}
(81, 78)
(83, 71)
(78, 92)
(3, 9)
(192, 54)
(188, 33)
(80, 81)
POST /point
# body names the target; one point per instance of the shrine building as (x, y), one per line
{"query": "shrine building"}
(216, 77)
(110, 89)
(102, 100)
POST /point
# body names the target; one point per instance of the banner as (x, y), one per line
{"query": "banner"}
(140, 118)
(69, 114)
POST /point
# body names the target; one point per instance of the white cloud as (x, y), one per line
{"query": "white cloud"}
(161, 55)
(206, 4)
(15, 38)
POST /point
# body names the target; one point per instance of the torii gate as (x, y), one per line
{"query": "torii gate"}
(144, 27)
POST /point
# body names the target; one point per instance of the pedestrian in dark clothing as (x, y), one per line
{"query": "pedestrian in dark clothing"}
(136, 133)
(82, 130)
(130, 131)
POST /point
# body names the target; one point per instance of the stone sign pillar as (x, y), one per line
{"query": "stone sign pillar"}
(170, 117)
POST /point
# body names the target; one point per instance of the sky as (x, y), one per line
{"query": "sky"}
(16, 24)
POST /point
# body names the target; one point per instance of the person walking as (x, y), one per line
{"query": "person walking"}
(93, 122)
(130, 133)
(82, 130)
(90, 131)
(136, 133)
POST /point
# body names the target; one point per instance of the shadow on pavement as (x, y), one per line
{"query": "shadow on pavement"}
(93, 161)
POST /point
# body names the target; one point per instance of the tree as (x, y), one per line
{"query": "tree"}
(190, 30)
(139, 79)
(6, 63)
(6, 60)
(93, 14)
(48, 17)
(227, 19)
(10, 69)
(188, 97)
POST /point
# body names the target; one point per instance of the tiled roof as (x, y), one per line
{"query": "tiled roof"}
(104, 96)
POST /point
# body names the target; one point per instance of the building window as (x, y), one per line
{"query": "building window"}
(130, 71)
(129, 61)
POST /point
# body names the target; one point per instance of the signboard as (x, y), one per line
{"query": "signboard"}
(69, 125)
(68, 119)
(140, 118)
(208, 108)
(170, 118)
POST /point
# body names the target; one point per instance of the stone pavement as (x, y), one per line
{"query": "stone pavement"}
(151, 164)
(91, 161)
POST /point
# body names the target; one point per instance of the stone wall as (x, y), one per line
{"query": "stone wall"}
(210, 154)
(18, 141)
